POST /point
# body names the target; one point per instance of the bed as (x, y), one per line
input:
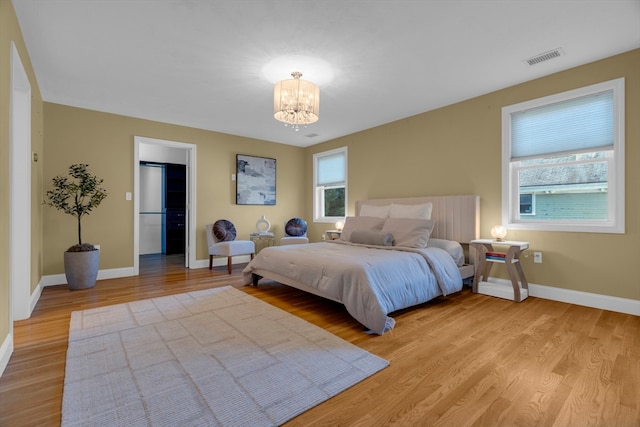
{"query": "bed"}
(389, 257)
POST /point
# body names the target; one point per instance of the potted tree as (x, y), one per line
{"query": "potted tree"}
(77, 194)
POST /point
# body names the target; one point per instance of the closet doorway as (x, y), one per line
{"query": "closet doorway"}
(163, 201)
(164, 184)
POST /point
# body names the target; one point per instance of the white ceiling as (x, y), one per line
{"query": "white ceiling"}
(200, 63)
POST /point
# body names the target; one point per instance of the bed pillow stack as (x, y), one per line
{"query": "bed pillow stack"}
(395, 224)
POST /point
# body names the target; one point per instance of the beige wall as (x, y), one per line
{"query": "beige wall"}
(457, 150)
(10, 32)
(106, 143)
(452, 150)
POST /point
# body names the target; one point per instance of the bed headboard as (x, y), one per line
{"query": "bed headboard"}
(456, 217)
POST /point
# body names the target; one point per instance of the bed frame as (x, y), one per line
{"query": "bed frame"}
(456, 218)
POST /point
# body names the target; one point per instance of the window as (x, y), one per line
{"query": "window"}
(526, 204)
(330, 185)
(563, 161)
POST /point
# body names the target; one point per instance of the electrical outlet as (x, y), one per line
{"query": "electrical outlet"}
(537, 257)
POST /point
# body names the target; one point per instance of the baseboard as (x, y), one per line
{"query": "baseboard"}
(587, 299)
(6, 350)
(113, 273)
(221, 261)
(35, 296)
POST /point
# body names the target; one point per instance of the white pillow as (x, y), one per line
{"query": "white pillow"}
(411, 211)
(375, 211)
(407, 232)
(451, 246)
(352, 223)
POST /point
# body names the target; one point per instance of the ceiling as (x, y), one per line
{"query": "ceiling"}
(212, 64)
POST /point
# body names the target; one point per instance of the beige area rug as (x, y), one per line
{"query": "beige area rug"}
(217, 357)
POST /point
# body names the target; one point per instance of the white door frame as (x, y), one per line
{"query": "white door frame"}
(190, 232)
(19, 192)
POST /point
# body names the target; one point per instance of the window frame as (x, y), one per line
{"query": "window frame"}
(615, 223)
(318, 191)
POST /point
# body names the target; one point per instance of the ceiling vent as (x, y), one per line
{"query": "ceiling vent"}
(544, 57)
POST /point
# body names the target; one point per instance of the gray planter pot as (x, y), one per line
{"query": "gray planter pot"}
(81, 268)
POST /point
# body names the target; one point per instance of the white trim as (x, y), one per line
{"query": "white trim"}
(221, 261)
(113, 273)
(19, 190)
(586, 299)
(190, 150)
(35, 297)
(6, 350)
(318, 192)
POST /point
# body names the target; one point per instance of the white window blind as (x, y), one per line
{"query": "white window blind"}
(331, 169)
(577, 125)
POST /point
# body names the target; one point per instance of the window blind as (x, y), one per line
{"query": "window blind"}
(579, 124)
(331, 169)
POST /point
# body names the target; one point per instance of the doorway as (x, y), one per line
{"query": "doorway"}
(163, 200)
(178, 160)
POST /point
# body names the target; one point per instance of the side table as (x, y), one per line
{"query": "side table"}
(486, 256)
(332, 234)
(262, 240)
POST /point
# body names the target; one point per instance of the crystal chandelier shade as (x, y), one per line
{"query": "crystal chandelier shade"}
(296, 102)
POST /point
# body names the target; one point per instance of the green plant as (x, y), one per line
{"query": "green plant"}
(77, 194)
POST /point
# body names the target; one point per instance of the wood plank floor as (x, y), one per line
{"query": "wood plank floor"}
(464, 360)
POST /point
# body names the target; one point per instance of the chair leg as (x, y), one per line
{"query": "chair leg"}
(210, 262)
(229, 265)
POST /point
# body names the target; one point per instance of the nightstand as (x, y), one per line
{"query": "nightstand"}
(332, 234)
(486, 256)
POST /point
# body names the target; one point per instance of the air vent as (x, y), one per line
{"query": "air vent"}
(311, 135)
(544, 57)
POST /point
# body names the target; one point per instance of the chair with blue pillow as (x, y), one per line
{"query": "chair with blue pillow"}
(295, 232)
(221, 239)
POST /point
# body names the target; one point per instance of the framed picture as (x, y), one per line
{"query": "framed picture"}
(255, 180)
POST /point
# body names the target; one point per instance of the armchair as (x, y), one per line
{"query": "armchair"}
(295, 231)
(221, 239)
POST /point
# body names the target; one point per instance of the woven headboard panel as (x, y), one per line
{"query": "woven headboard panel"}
(456, 217)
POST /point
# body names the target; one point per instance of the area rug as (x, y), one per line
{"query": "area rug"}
(217, 357)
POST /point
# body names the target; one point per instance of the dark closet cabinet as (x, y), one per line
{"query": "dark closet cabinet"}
(175, 202)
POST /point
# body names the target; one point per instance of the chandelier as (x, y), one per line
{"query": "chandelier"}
(296, 102)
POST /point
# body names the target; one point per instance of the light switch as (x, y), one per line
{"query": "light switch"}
(127, 195)
(233, 177)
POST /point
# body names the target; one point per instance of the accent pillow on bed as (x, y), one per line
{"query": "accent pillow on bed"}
(410, 233)
(367, 223)
(375, 211)
(368, 237)
(422, 211)
(451, 246)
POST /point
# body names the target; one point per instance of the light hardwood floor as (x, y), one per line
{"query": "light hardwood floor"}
(464, 360)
